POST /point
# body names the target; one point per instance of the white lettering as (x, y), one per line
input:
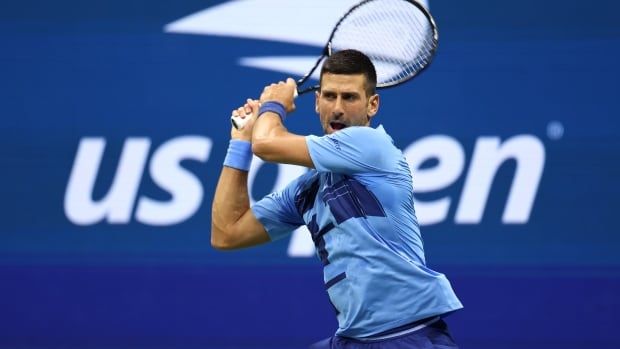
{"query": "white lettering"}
(117, 204)
(489, 154)
(451, 159)
(185, 188)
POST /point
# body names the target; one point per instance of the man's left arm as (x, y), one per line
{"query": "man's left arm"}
(271, 141)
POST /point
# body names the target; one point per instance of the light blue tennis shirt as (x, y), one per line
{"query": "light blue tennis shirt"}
(358, 206)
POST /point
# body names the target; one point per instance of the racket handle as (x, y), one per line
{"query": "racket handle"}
(238, 122)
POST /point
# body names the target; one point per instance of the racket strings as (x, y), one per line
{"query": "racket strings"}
(424, 33)
(395, 34)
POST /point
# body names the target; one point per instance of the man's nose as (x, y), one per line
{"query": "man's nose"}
(338, 109)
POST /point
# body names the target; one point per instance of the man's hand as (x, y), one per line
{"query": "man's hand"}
(282, 92)
(248, 110)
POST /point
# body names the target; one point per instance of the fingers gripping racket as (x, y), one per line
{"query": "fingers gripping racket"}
(399, 36)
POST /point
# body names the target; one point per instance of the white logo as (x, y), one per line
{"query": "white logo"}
(186, 190)
(302, 22)
(489, 154)
(117, 204)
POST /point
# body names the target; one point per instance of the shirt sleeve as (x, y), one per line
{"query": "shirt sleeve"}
(352, 150)
(277, 211)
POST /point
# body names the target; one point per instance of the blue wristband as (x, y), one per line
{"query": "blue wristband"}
(239, 155)
(274, 107)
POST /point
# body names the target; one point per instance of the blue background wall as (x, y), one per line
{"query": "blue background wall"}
(74, 70)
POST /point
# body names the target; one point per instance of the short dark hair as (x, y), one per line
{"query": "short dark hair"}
(349, 62)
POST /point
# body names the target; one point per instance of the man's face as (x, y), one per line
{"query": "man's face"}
(342, 102)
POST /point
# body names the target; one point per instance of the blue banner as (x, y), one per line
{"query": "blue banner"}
(115, 123)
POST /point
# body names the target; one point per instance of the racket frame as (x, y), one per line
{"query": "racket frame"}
(327, 50)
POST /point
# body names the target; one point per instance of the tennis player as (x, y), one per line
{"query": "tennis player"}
(357, 202)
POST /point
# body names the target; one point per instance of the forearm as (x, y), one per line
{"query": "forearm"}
(272, 142)
(231, 200)
(269, 131)
(233, 223)
(267, 128)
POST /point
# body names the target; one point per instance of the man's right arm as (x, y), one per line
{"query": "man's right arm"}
(233, 224)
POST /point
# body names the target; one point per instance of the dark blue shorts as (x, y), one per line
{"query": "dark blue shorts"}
(433, 336)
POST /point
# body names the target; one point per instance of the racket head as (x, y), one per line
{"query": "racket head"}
(399, 36)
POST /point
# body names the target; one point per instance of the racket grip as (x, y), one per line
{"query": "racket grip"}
(239, 122)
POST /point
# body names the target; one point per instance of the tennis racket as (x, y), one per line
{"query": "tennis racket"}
(399, 36)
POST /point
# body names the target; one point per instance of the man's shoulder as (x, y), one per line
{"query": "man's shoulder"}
(365, 136)
(370, 131)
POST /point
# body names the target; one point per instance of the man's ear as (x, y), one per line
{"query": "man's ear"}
(316, 101)
(373, 106)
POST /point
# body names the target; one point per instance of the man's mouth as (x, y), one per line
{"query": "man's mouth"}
(337, 125)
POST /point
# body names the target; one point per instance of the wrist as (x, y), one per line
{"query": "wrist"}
(242, 138)
(239, 155)
(273, 107)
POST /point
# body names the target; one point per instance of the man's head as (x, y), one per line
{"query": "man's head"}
(352, 62)
(347, 96)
